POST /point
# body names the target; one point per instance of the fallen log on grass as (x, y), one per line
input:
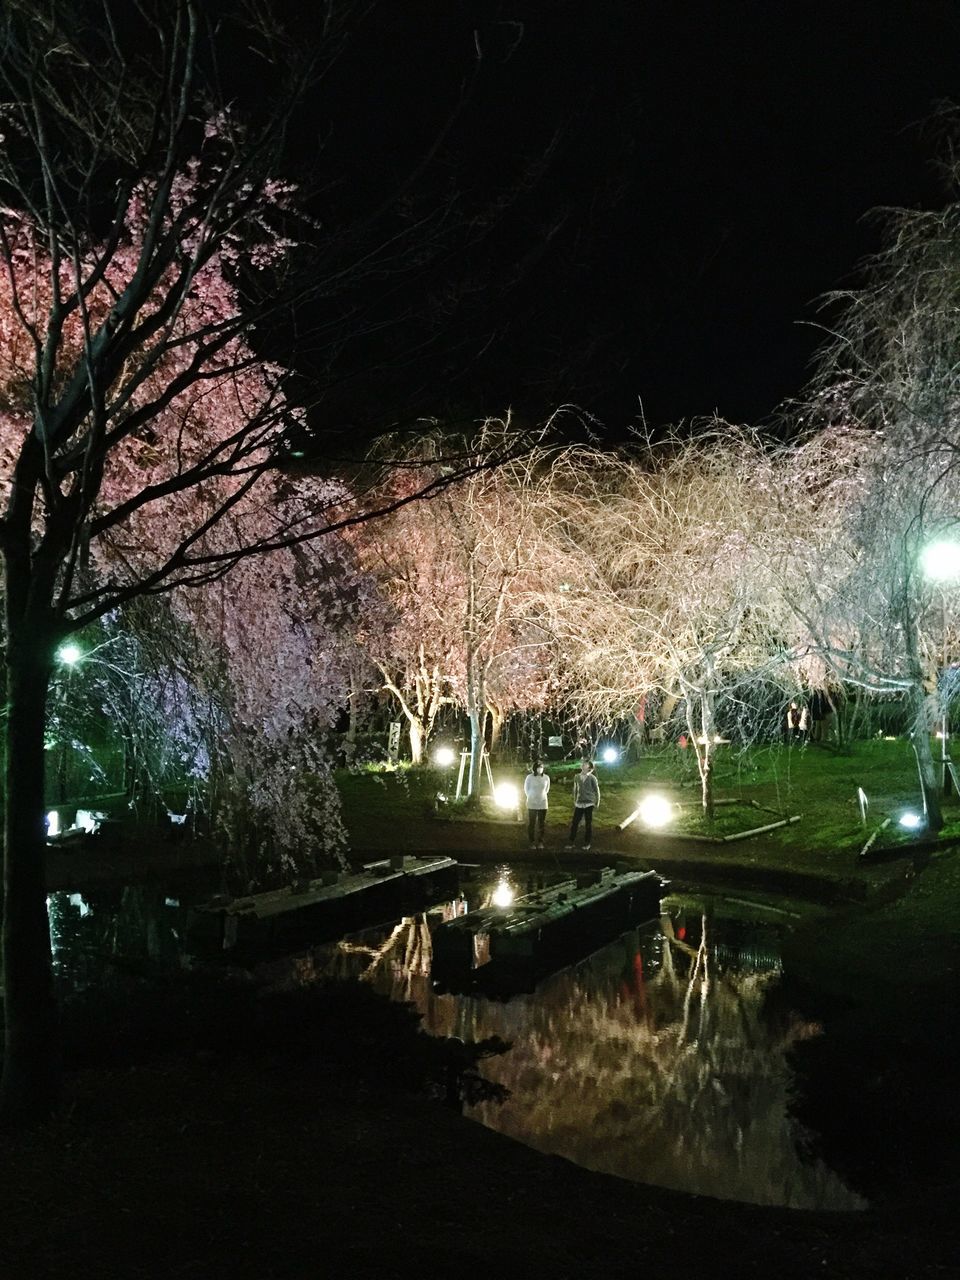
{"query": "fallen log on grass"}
(758, 831)
(870, 842)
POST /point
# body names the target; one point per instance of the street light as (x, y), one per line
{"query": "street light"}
(444, 757)
(69, 654)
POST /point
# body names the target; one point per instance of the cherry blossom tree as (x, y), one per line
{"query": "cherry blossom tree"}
(886, 398)
(144, 240)
(459, 581)
(669, 591)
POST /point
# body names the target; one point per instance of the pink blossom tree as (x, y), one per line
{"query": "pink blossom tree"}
(143, 239)
(459, 577)
(666, 591)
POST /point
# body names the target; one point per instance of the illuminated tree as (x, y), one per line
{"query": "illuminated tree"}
(672, 593)
(144, 238)
(458, 577)
(887, 397)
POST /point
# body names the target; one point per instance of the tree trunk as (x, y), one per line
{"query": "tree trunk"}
(31, 1059)
(496, 727)
(919, 708)
(921, 719)
(476, 714)
(416, 735)
(354, 698)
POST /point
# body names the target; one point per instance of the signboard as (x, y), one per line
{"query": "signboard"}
(393, 741)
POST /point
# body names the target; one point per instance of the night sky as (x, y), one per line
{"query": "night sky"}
(651, 196)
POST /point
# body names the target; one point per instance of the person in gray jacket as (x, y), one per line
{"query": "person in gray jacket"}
(586, 798)
(536, 786)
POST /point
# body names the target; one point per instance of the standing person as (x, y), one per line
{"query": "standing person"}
(803, 726)
(791, 722)
(536, 785)
(586, 798)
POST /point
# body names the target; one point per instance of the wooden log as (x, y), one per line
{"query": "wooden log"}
(869, 845)
(757, 831)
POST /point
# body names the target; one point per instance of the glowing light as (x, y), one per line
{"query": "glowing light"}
(53, 823)
(911, 821)
(609, 755)
(68, 654)
(506, 795)
(940, 561)
(444, 757)
(655, 811)
(502, 895)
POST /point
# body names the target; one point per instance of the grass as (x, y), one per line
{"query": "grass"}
(817, 783)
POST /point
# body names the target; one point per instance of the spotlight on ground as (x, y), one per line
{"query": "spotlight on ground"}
(506, 795)
(655, 811)
(911, 821)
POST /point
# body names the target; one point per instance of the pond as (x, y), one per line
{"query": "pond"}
(662, 1057)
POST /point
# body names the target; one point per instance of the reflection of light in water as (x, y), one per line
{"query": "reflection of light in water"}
(655, 1060)
(503, 894)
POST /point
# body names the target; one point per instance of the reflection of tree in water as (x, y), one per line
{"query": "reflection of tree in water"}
(654, 1063)
(652, 1060)
(101, 934)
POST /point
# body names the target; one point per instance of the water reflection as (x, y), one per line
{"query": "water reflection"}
(660, 1058)
(105, 933)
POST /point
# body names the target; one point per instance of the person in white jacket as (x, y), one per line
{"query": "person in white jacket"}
(536, 786)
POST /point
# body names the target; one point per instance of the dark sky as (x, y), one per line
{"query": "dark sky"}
(710, 166)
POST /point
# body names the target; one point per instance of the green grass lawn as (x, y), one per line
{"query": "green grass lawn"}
(764, 783)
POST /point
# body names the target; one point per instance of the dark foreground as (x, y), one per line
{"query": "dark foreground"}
(193, 1171)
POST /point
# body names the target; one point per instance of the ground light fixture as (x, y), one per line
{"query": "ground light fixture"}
(53, 823)
(502, 895)
(444, 757)
(506, 795)
(69, 654)
(655, 811)
(609, 755)
(910, 821)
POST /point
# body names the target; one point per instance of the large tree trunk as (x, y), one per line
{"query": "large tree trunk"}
(702, 743)
(476, 714)
(31, 1058)
(922, 717)
(417, 740)
(496, 727)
